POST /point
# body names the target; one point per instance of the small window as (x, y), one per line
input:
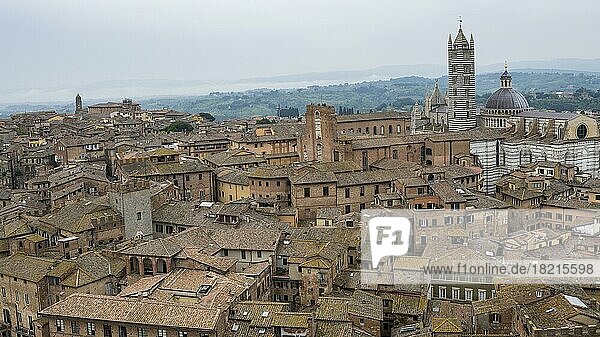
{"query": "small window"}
(139, 216)
(60, 325)
(75, 327)
(107, 330)
(182, 334)
(469, 294)
(142, 332)
(482, 294)
(161, 333)
(325, 191)
(455, 293)
(307, 192)
(91, 329)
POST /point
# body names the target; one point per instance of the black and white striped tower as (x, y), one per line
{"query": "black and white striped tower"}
(461, 82)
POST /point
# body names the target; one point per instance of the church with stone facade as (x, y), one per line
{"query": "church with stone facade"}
(499, 137)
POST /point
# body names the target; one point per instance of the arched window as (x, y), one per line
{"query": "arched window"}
(395, 154)
(559, 132)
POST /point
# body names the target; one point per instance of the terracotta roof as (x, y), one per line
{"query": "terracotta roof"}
(172, 245)
(333, 329)
(368, 177)
(235, 177)
(145, 169)
(363, 304)
(560, 311)
(136, 311)
(179, 213)
(246, 239)
(446, 192)
(87, 268)
(315, 177)
(145, 284)
(26, 267)
(332, 309)
(234, 157)
(219, 263)
(292, 319)
(77, 217)
(255, 269)
(260, 314)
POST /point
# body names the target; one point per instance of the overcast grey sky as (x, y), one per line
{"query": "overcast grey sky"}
(66, 42)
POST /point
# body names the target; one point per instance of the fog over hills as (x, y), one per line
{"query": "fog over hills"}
(35, 98)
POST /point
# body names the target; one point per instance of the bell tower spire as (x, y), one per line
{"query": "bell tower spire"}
(461, 83)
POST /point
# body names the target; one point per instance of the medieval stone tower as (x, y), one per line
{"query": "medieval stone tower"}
(78, 104)
(132, 200)
(319, 136)
(461, 83)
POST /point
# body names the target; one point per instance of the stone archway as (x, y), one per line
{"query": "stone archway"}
(161, 266)
(134, 265)
(148, 266)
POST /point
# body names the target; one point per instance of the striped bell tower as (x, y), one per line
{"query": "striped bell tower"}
(461, 82)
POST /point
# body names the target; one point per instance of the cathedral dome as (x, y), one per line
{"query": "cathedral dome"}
(506, 98)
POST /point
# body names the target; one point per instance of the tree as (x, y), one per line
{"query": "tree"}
(207, 117)
(179, 126)
(265, 121)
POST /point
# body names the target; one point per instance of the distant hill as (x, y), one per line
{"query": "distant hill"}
(117, 89)
(379, 90)
(399, 93)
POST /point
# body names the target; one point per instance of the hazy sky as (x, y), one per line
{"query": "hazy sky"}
(66, 42)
